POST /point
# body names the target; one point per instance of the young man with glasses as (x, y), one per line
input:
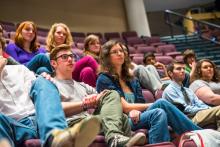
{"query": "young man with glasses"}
(185, 99)
(78, 97)
(37, 114)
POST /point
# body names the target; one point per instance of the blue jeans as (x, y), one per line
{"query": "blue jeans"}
(49, 115)
(156, 122)
(157, 118)
(40, 63)
(178, 121)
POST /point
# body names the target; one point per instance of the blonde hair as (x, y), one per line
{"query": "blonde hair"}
(19, 39)
(50, 42)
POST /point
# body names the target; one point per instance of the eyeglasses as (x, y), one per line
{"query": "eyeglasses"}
(65, 57)
(116, 52)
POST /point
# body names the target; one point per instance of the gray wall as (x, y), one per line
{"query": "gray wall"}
(79, 15)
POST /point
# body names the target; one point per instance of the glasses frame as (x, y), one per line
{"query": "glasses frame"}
(65, 57)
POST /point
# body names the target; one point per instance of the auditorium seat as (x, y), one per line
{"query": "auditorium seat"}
(164, 59)
(145, 49)
(138, 60)
(134, 41)
(78, 34)
(126, 35)
(148, 96)
(112, 35)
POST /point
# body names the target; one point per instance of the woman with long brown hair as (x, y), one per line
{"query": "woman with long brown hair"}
(155, 116)
(25, 45)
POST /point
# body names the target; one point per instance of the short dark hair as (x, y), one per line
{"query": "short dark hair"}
(170, 66)
(57, 49)
(147, 55)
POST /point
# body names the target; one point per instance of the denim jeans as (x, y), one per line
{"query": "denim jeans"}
(157, 118)
(155, 121)
(17, 131)
(177, 120)
(49, 115)
(40, 63)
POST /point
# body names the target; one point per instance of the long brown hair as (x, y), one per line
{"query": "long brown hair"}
(19, 40)
(105, 63)
(198, 71)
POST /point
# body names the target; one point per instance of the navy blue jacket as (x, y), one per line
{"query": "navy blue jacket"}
(106, 81)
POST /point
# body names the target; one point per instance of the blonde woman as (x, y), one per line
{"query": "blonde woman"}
(59, 34)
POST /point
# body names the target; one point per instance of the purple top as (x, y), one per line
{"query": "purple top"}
(20, 54)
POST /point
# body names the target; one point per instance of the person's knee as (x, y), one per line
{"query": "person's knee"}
(160, 114)
(112, 95)
(162, 102)
(86, 71)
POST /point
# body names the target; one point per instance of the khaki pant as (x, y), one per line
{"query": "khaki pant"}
(208, 116)
(111, 116)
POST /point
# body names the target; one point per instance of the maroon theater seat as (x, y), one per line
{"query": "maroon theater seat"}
(148, 96)
(111, 35)
(32, 143)
(79, 39)
(138, 59)
(78, 34)
(164, 59)
(145, 49)
(134, 41)
(126, 35)
(166, 48)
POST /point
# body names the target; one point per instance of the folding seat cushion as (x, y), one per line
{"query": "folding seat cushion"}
(173, 54)
(126, 35)
(164, 59)
(78, 34)
(166, 48)
(8, 26)
(152, 39)
(138, 60)
(79, 39)
(42, 32)
(157, 44)
(148, 96)
(188, 143)
(162, 144)
(145, 49)
(134, 41)
(179, 58)
(131, 50)
(139, 45)
(111, 35)
(31, 143)
(41, 40)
